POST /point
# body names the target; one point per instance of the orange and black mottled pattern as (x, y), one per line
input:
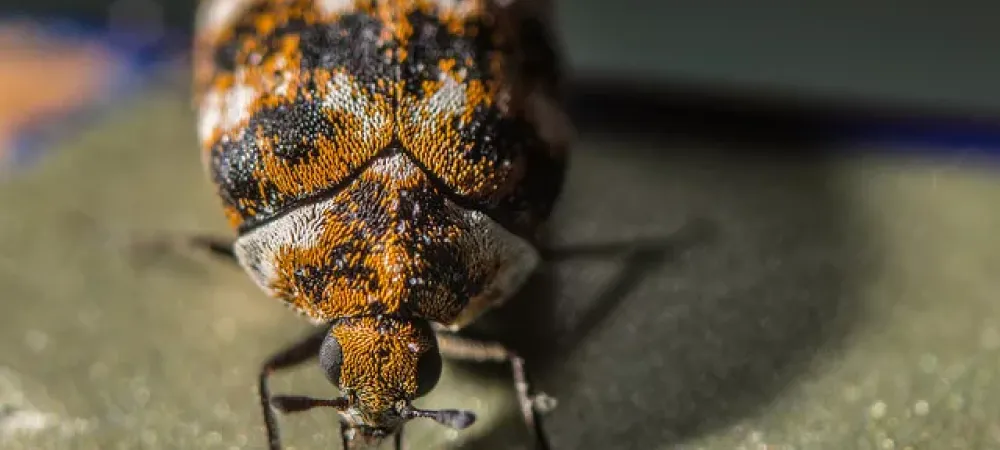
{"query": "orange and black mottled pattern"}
(406, 355)
(389, 241)
(296, 100)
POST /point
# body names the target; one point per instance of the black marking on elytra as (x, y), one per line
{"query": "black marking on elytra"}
(294, 129)
(376, 308)
(432, 42)
(234, 169)
(490, 136)
(309, 282)
(225, 55)
(449, 271)
(487, 132)
(243, 28)
(384, 327)
(236, 164)
(351, 43)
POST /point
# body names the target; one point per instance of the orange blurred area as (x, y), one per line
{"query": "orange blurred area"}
(43, 76)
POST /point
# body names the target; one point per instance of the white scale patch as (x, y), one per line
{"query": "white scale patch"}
(215, 15)
(449, 99)
(464, 8)
(344, 96)
(224, 111)
(283, 75)
(397, 165)
(330, 7)
(257, 250)
(514, 257)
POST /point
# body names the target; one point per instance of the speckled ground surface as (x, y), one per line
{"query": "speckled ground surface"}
(838, 304)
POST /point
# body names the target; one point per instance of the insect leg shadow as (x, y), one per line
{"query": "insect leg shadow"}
(640, 258)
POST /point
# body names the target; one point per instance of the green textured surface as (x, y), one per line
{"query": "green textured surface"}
(826, 304)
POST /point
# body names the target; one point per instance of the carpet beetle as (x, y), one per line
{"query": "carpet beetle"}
(386, 167)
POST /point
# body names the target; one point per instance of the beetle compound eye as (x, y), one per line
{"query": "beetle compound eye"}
(428, 371)
(331, 356)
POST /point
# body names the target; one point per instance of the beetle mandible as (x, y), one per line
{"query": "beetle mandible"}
(387, 167)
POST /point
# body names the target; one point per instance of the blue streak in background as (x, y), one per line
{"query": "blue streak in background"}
(135, 59)
(940, 137)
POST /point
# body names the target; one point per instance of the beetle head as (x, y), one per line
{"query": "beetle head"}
(380, 365)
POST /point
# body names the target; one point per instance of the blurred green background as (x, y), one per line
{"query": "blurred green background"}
(938, 55)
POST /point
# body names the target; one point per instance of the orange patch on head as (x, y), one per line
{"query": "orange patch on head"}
(381, 360)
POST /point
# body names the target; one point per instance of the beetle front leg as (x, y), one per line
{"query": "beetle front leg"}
(532, 406)
(218, 246)
(292, 355)
(398, 439)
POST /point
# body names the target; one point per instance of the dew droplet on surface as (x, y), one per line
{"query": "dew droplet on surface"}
(878, 410)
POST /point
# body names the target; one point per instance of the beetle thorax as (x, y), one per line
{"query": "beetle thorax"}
(390, 242)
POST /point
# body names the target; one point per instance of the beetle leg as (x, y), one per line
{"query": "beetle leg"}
(345, 441)
(461, 348)
(215, 245)
(290, 356)
(398, 439)
(639, 258)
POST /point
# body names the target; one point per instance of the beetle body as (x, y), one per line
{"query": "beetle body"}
(386, 165)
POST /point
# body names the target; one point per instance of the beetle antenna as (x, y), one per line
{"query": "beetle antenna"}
(453, 418)
(295, 403)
